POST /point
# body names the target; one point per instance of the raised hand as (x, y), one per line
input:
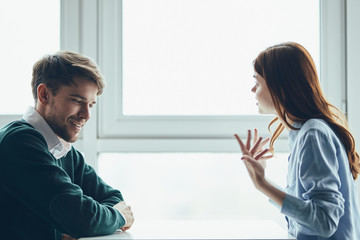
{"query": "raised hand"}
(254, 157)
(256, 151)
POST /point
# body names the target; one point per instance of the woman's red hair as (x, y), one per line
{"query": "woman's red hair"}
(290, 74)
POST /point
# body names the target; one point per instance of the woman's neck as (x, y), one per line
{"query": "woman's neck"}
(284, 123)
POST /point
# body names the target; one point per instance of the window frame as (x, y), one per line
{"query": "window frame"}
(91, 27)
(186, 133)
(352, 71)
(81, 31)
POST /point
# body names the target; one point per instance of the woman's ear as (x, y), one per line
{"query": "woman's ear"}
(43, 94)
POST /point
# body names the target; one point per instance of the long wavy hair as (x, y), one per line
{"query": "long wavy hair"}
(290, 74)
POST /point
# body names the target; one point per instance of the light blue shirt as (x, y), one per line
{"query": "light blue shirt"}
(322, 200)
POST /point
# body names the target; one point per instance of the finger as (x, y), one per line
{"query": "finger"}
(249, 160)
(265, 157)
(265, 141)
(261, 155)
(255, 148)
(242, 146)
(248, 144)
(261, 145)
(255, 136)
(247, 157)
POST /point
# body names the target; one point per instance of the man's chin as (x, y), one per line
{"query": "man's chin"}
(70, 139)
(73, 139)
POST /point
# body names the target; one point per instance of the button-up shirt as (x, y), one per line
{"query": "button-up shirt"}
(322, 201)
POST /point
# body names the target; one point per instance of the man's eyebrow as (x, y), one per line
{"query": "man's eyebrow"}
(81, 97)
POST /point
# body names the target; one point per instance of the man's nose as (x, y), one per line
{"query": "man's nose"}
(85, 112)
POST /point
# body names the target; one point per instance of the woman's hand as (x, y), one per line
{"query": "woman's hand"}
(256, 151)
(254, 157)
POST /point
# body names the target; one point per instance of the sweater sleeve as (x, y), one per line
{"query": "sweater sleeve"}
(32, 175)
(92, 185)
(321, 206)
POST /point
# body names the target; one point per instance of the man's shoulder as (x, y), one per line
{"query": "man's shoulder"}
(18, 130)
(75, 156)
(15, 127)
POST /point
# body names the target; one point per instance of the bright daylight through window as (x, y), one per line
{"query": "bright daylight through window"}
(194, 57)
(189, 185)
(27, 33)
(185, 58)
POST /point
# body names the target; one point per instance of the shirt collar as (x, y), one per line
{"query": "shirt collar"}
(293, 134)
(57, 146)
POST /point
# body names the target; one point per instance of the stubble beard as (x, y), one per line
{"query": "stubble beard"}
(60, 129)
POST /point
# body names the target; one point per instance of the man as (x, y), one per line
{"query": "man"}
(47, 191)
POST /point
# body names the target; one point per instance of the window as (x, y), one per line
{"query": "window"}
(181, 70)
(191, 58)
(27, 33)
(179, 75)
(190, 185)
(152, 135)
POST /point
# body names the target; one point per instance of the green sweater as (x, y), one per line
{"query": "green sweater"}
(42, 197)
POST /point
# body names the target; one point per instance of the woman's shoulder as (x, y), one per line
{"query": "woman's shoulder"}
(317, 125)
(317, 128)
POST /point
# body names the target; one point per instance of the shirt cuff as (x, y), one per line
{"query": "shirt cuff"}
(122, 217)
(275, 204)
(290, 206)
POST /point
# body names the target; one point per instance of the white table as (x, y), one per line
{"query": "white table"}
(208, 229)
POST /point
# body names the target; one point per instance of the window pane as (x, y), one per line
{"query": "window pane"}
(190, 185)
(194, 57)
(29, 30)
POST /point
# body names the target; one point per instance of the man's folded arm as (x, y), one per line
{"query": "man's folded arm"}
(32, 175)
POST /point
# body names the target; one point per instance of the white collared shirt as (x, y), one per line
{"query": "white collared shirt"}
(57, 146)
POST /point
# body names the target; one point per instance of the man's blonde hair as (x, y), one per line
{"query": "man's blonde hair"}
(59, 69)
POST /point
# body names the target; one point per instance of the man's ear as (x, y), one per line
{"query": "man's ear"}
(43, 94)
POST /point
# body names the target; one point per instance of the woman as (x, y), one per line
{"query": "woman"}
(321, 200)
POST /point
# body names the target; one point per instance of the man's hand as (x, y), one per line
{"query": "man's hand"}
(127, 213)
(67, 237)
